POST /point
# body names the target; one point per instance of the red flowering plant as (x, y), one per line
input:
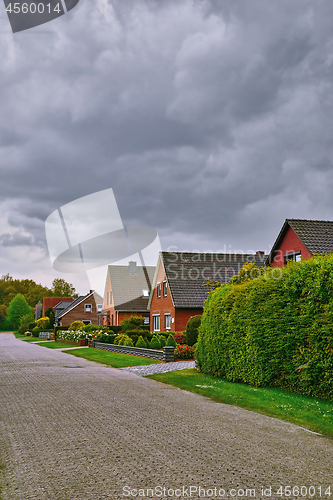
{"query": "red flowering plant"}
(184, 352)
(180, 337)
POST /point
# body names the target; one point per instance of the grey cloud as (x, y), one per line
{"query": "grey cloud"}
(210, 120)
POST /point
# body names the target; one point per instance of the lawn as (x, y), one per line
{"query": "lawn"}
(54, 345)
(114, 359)
(313, 413)
(25, 338)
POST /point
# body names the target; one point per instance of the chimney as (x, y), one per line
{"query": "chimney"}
(132, 267)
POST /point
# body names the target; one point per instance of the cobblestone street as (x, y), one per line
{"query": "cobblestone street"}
(72, 429)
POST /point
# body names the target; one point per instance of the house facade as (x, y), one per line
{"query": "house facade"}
(53, 301)
(127, 291)
(85, 308)
(179, 290)
(301, 239)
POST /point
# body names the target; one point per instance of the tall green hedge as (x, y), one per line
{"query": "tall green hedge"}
(273, 331)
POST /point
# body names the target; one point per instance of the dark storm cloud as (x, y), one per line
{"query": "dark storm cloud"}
(211, 120)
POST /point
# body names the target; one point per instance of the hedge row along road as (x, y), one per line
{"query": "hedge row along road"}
(72, 429)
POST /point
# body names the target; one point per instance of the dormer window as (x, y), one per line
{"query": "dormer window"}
(145, 293)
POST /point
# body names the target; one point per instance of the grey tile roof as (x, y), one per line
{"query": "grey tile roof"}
(188, 272)
(70, 305)
(127, 288)
(316, 235)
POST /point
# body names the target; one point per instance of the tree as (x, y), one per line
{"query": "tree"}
(17, 308)
(50, 314)
(61, 288)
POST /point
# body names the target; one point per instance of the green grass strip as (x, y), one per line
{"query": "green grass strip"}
(306, 411)
(114, 359)
(54, 345)
(25, 338)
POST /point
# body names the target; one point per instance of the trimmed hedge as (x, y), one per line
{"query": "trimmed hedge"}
(273, 331)
(192, 329)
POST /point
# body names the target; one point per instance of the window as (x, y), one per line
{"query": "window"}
(295, 256)
(99, 307)
(156, 322)
(158, 290)
(165, 288)
(107, 298)
(86, 322)
(167, 321)
(88, 308)
(145, 293)
(147, 320)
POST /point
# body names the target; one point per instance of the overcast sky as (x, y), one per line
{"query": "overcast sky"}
(212, 121)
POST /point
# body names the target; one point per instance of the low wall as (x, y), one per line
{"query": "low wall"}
(44, 335)
(68, 342)
(167, 355)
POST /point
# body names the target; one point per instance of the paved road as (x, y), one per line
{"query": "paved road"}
(71, 429)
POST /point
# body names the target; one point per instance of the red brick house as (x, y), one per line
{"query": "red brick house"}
(53, 301)
(127, 291)
(85, 308)
(178, 292)
(301, 238)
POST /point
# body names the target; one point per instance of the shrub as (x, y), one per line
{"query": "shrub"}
(115, 328)
(43, 323)
(162, 340)
(24, 323)
(180, 337)
(155, 343)
(32, 325)
(141, 342)
(120, 339)
(184, 352)
(128, 342)
(35, 332)
(171, 341)
(192, 330)
(132, 323)
(274, 330)
(76, 325)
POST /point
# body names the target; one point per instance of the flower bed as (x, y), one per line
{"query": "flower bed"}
(184, 352)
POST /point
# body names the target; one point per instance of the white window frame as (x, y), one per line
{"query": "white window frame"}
(155, 316)
(85, 308)
(165, 288)
(99, 308)
(167, 315)
(295, 256)
(145, 293)
(158, 290)
(146, 320)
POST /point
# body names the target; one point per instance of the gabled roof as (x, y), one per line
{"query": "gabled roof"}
(75, 303)
(62, 304)
(186, 273)
(316, 235)
(127, 288)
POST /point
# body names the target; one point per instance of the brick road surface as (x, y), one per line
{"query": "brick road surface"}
(72, 429)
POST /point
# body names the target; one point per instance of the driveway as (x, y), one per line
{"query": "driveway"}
(72, 429)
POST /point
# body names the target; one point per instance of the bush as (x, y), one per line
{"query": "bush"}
(35, 332)
(115, 328)
(32, 325)
(132, 323)
(128, 342)
(184, 352)
(273, 331)
(171, 341)
(179, 337)
(141, 342)
(120, 339)
(24, 323)
(155, 343)
(192, 330)
(162, 340)
(43, 323)
(76, 325)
